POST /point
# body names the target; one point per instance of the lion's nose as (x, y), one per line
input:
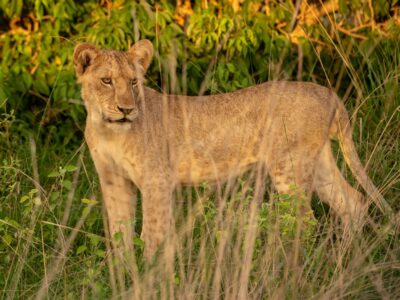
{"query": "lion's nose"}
(124, 110)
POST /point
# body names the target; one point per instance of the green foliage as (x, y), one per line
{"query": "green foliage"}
(36, 72)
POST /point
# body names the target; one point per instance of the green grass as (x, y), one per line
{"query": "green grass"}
(230, 242)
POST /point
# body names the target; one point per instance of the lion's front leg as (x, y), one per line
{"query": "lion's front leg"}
(157, 216)
(119, 198)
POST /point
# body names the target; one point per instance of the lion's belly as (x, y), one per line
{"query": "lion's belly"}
(215, 152)
(195, 167)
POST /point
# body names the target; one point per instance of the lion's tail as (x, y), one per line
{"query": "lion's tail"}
(344, 133)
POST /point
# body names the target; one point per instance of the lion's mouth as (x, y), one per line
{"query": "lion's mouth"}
(122, 120)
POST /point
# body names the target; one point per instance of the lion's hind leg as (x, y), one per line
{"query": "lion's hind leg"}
(292, 175)
(334, 190)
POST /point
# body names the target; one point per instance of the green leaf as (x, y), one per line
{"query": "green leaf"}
(23, 199)
(86, 211)
(33, 191)
(81, 249)
(177, 279)
(3, 97)
(27, 79)
(100, 253)
(117, 236)
(54, 196)
(94, 240)
(231, 67)
(8, 239)
(88, 201)
(138, 242)
(41, 85)
(54, 174)
(70, 168)
(67, 184)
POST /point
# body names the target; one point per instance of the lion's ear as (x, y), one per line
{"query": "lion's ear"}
(84, 55)
(142, 53)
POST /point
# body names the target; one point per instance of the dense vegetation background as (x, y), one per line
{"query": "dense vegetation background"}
(48, 185)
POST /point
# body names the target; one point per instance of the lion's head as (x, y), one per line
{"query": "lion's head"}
(111, 82)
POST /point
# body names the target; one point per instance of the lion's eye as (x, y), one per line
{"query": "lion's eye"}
(106, 81)
(134, 81)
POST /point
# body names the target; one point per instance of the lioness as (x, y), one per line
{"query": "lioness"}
(140, 137)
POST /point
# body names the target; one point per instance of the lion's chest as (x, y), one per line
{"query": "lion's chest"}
(120, 157)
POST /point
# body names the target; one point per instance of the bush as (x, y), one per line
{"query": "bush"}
(230, 44)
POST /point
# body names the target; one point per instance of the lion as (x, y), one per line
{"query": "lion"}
(140, 138)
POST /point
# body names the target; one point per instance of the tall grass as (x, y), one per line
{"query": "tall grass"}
(231, 241)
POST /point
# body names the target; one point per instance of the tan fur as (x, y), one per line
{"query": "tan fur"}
(169, 140)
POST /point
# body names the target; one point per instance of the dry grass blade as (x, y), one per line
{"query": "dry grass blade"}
(25, 244)
(60, 257)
